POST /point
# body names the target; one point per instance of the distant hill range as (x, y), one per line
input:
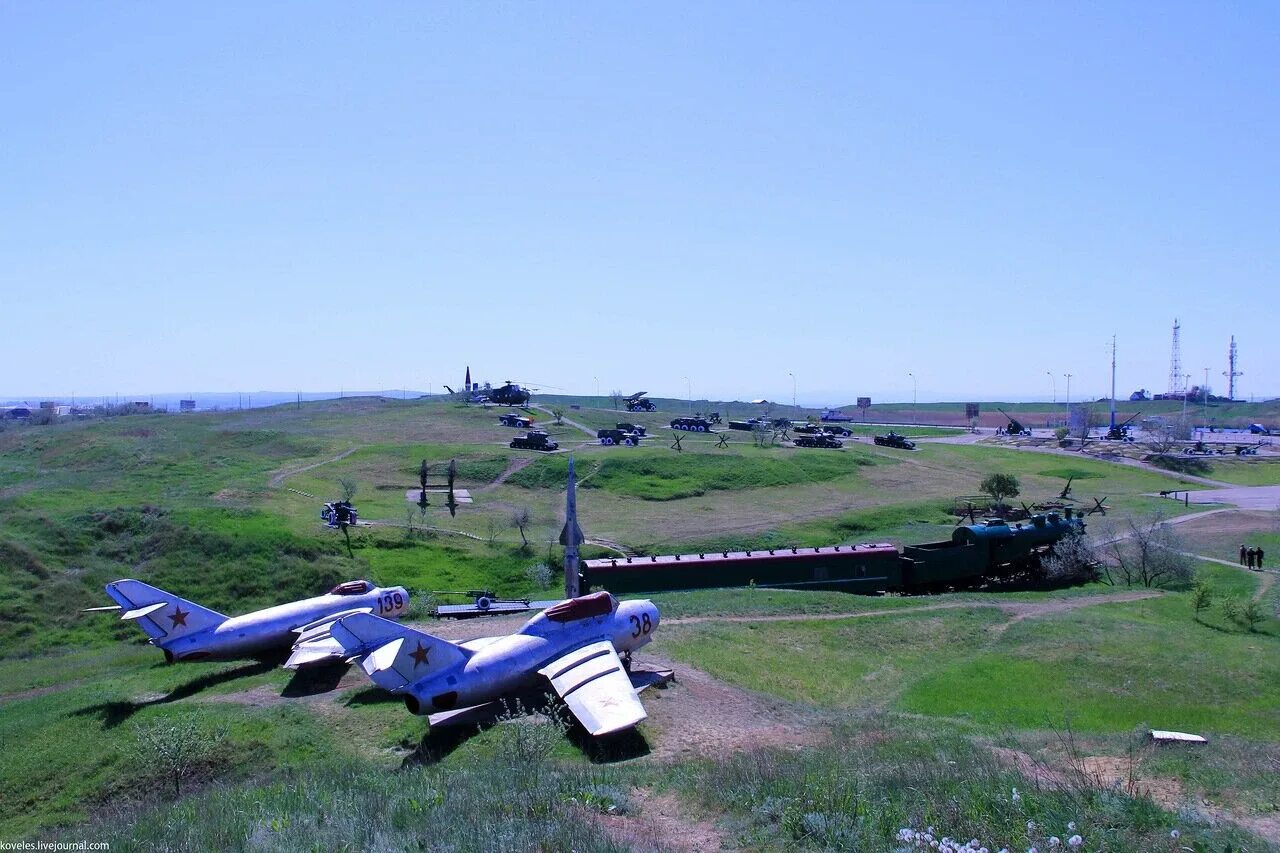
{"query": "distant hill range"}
(210, 400)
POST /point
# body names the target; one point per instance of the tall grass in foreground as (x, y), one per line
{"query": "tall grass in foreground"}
(513, 801)
(869, 785)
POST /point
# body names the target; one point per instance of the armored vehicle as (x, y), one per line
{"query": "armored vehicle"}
(638, 429)
(512, 419)
(806, 428)
(610, 437)
(534, 439)
(694, 424)
(894, 440)
(819, 440)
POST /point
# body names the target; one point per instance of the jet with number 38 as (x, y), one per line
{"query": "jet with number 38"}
(185, 631)
(571, 647)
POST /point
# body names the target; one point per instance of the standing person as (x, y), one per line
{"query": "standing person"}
(1257, 556)
(1250, 556)
(1242, 555)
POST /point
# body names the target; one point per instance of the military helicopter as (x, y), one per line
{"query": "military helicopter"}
(508, 394)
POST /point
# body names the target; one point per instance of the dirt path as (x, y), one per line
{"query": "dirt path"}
(662, 822)
(700, 716)
(516, 463)
(590, 432)
(278, 478)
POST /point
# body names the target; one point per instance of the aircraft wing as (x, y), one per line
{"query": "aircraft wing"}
(316, 643)
(596, 688)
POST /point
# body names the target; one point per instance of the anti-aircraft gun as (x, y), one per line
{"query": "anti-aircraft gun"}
(1120, 432)
(1015, 426)
(637, 403)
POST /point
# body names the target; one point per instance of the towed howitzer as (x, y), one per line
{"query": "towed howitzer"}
(1120, 432)
(1015, 426)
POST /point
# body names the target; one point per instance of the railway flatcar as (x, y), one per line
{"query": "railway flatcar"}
(868, 568)
(991, 549)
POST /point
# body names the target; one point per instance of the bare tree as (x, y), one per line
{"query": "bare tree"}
(349, 487)
(520, 519)
(1149, 555)
(616, 396)
(492, 529)
(763, 434)
(1163, 436)
(1084, 419)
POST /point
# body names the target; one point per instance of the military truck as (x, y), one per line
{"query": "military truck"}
(609, 437)
(534, 439)
(638, 429)
(693, 424)
(894, 440)
(818, 440)
(637, 403)
(513, 419)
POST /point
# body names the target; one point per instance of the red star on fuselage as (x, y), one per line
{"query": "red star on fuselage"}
(419, 655)
(178, 617)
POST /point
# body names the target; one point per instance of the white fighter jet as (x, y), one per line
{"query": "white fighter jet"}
(572, 647)
(184, 630)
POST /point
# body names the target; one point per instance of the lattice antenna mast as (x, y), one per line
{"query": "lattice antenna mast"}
(1177, 384)
(1231, 372)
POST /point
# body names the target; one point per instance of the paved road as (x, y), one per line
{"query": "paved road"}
(1245, 497)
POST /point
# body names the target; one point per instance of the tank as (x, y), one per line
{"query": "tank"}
(894, 440)
(534, 440)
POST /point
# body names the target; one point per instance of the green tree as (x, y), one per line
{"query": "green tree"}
(1201, 598)
(1000, 486)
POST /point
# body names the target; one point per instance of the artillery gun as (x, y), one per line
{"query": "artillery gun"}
(637, 403)
(894, 440)
(534, 439)
(1120, 432)
(1015, 426)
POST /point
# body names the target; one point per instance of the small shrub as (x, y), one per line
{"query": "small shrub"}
(1201, 598)
(539, 574)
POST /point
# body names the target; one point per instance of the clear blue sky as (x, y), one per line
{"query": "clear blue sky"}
(230, 196)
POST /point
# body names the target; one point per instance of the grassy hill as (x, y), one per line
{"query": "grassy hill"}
(223, 508)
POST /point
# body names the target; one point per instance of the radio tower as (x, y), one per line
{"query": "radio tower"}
(1175, 364)
(1231, 372)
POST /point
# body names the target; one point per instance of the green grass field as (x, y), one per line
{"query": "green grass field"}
(212, 506)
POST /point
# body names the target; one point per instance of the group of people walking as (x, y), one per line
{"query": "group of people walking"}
(1251, 557)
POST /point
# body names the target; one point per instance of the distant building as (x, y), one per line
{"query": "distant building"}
(141, 406)
(48, 404)
(186, 405)
(16, 413)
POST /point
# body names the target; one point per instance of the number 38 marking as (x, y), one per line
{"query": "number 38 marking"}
(641, 626)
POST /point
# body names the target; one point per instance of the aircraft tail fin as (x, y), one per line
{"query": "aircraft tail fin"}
(163, 615)
(392, 655)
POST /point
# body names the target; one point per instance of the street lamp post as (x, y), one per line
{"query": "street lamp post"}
(914, 388)
(1186, 383)
(1054, 380)
(793, 393)
(597, 379)
(1068, 375)
(1204, 395)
